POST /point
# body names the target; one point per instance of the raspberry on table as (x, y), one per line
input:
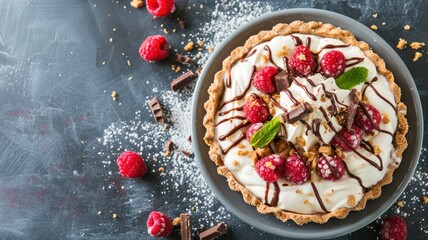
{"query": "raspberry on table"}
(270, 167)
(255, 109)
(331, 168)
(295, 170)
(333, 63)
(364, 116)
(393, 228)
(160, 8)
(131, 165)
(303, 61)
(159, 225)
(253, 129)
(264, 79)
(154, 48)
(353, 137)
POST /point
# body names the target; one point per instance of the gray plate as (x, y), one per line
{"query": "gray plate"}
(334, 227)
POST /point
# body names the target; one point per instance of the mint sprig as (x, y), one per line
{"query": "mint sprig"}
(352, 77)
(268, 132)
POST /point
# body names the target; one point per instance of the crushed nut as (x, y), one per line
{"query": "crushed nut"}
(269, 165)
(373, 27)
(417, 56)
(265, 58)
(136, 3)
(407, 27)
(210, 49)
(301, 141)
(377, 149)
(306, 202)
(417, 45)
(302, 57)
(189, 46)
(400, 203)
(385, 118)
(235, 163)
(298, 191)
(176, 221)
(243, 152)
(282, 51)
(339, 153)
(200, 43)
(254, 157)
(401, 44)
(326, 150)
(161, 169)
(351, 200)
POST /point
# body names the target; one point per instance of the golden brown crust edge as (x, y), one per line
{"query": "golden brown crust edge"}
(217, 87)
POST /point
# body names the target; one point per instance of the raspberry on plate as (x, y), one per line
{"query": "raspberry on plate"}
(352, 136)
(295, 170)
(270, 167)
(255, 109)
(264, 79)
(331, 168)
(253, 129)
(367, 118)
(154, 48)
(159, 225)
(394, 228)
(333, 63)
(131, 165)
(303, 61)
(160, 8)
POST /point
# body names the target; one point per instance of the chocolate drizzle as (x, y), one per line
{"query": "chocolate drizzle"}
(267, 48)
(316, 124)
(230, 110)
(234, 129)
(275, 198)
(354, 176)
(370, 117)
(317, 195)
(297, 40)
(241, 137)
(229, 78)
(380, 95)
(310, 95)
(308, 42)
(230, 118)
(329, 46)
(240, 96)
(248, 55)
(353, 61)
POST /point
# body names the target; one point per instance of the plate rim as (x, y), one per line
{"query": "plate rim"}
(281, 232)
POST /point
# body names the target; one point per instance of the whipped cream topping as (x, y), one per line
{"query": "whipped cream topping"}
(364, 169)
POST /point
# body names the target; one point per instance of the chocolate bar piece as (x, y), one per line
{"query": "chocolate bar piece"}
(213, 232)
(354, 99)
(183, 59)
(157, 110)
(183, 80)
(296, 113)
(282, 81)
(186, 226)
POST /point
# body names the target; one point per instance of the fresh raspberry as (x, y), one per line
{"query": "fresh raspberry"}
(160, 8)
(353, 137)
(302, 60)
(296, 170)
(158, 224)
(331, 168)
(154, 48)
(394, 228)
(131, 165)
(263, 79)
(363, 120)
(253, 129)
(270, 167)
(255, 109)
(333, 63)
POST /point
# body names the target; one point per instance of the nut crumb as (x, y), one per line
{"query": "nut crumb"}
(136, 3)
(189, 46)
(374, 15)
(161, 169)
(265, 58)
(282, 51)
(417, 45)
(326, 150)
(407, 27)
(400, 203)
(243, 152)
(200, 43)
(306, 202)
(351, 200)
(401, 44)
(385, 118)
(417, 56)
(210, 49)
(176, 221)
(235, 163)
(115, 215)
(377, 149)
(301, 141)
(298, 191)
(373, 27)
(425, 199)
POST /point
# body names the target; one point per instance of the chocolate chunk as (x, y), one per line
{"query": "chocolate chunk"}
(186, 226)
(296, 113)
(169, 146)
(157, 110)
(183, 80)
(213, 232)
(183, 59)
(186, 153)
(182, 24)
(282, 81)
(198, 71)
(189, 139)
(354, 99)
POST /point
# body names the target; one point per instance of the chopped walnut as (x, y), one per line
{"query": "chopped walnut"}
(282, 51)
(400, 203)
(263, 152)
(189, 46)
(373, 27)
(298, 191)
(302, 57)
(243, 152)
(269, 165)
(241, 145)
(235, 163)
(407, 27)
(385, 118)
(301, 141)
(326, 150)
(417, 56)
(326, 200)
(339, 153)
(282, 146)
(417, 45)
(254, 157)
(377, 149)
(265, 58)
(176, 221)
(351, 200)
(136, 3)
(306, 202)
(401, 44)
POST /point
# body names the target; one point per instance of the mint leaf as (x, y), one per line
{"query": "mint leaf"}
(263, 136)
(352, 77)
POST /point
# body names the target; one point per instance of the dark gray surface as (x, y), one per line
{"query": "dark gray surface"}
(55, 102)
(332, 228)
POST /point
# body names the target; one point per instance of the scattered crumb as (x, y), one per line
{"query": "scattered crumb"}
(417, 56)
(136, 3)
(200, 43)
(99, 213)
(114, 95)
(385, 118)
(400, 203)
(110, 40)
(377, 150)
(165, 31)
(373, 27)
(235, 163)
(401, 44)
(189, 46)
(351, 200)
(130, 78)
(128, 62)
(374, 15)
(176, 221)
(383, 23)
(115, 215)
(417, 45)
(161, 169)
(425, 199)
(407, 27)
(210, 49)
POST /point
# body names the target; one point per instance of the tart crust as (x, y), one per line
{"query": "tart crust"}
(217, 88)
